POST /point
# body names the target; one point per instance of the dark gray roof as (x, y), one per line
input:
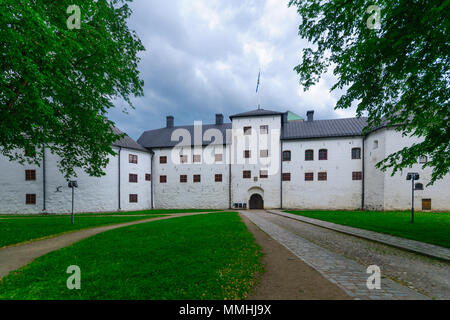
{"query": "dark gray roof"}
(127, 142)
(257, 113)
(324, 128)
(161, 138)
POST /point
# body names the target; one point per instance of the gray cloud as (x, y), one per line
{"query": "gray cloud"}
(203, 58)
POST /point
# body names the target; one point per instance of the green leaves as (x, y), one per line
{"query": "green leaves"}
(399, 73)
(57, 85)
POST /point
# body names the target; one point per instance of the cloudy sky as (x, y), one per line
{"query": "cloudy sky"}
(203, 56)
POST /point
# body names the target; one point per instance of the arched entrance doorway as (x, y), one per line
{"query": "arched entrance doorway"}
(256, 202)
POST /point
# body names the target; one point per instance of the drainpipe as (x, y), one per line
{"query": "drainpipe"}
(120, 149)
(151, 177)
(281, 174)
(363, 173)
(229, 184)
(43, 180)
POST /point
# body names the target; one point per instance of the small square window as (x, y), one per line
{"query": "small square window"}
(264, 129)
(30, 175)
(197, 158)
(183, 178)
(247, 174)
(247, 131)
(423, 159)
(309, 155)
(323, 154)
(133, 178)
(356, 153)
(133, 198)
(286, 156)
(263, 174)
(132, 158)
(286, 177)
(218, 178)
(148, 177)
(30, 199)
(357, 175)
(183, 159)
(162, 179)
(163, 159)
(264, 153)
(247, 154)
(309, 176)
(197, 178)
(218, 157)
(322, 176)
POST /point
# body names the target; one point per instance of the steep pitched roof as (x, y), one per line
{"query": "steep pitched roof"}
(127, 142)
(257, 113)
(324, 128)
(161, 138)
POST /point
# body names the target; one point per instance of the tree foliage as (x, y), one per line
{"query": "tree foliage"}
(398, 74)
(57, 84)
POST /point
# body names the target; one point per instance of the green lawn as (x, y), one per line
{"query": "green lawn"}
(428, 227)
(210, 256)
(17, 230)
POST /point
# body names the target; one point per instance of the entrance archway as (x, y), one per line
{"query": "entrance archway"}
(256, 202)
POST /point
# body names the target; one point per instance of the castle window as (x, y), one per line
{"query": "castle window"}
(264, 153)
(264, 129)
(419, 186)
(218, 178)
(375, 144)
(247, 131)
(133, 198)
(357, 175)
(322, 176)
(247, 174)
(356, 153)
(30, 199)
(163, 159)
(132, 158)
(423, 159)
(323, 154)
(148, 177)
(183, 178)
(30, 175)
(196, 158)
(183, 159)
(247, 154)
(218, 157)
(286, 156)
(133, 178)
(197, 178)
(263, 174)
(309, 155)
(286, 177)
(309, 176)
(162, 179)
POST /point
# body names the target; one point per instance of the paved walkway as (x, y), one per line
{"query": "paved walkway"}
(15, 257)
(347, 274)
(402, 243)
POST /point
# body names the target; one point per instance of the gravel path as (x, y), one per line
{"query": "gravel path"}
(426, 275)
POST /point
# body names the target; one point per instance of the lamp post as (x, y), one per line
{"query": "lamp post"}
(73, 185)
(413, 176)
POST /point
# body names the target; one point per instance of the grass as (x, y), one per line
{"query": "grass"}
(210, 256)
(428, 227)
(116, 213)
(17, 230)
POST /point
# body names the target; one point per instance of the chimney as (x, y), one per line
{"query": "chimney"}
(219, 119)
(310, 115)
(169, 122)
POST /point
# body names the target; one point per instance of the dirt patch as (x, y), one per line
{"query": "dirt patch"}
(287, 277)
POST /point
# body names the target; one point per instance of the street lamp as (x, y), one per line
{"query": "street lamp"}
(413, 176)
(73, 185)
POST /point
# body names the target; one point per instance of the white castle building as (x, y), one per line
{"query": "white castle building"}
(262, 159)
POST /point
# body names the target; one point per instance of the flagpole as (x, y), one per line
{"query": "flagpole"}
(257, 89)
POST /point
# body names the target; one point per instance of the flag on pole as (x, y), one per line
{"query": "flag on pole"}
(257, 84)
